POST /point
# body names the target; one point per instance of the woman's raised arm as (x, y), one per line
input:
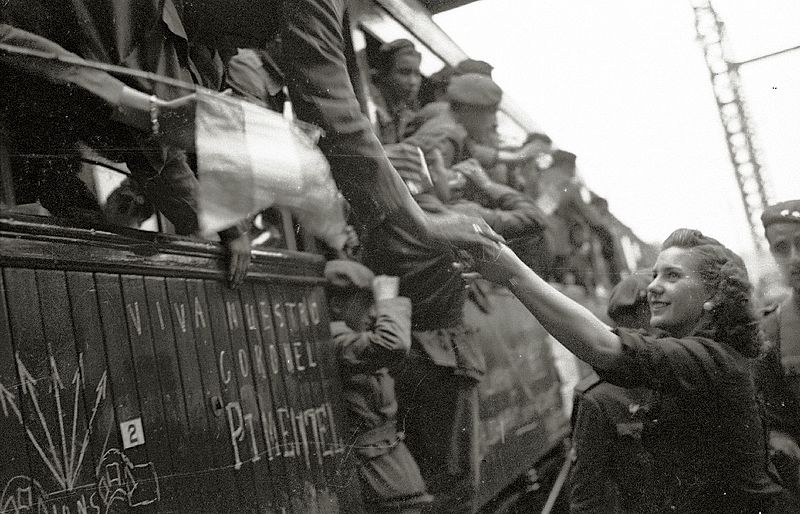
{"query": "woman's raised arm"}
(570, 323)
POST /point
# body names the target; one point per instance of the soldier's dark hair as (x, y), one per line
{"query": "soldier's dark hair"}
(733, 320)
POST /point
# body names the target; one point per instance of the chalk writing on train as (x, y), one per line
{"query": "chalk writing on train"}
(307, 434)
(297, 356)
(118, 481)
(306, 314)
(62, 445)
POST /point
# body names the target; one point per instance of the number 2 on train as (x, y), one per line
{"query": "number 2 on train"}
(132, 433)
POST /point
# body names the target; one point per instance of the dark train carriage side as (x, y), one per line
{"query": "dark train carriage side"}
(522, 425)
(131, 378)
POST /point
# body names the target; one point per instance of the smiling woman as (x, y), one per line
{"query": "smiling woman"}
(713, 285)
(704, 433)
(677, 293)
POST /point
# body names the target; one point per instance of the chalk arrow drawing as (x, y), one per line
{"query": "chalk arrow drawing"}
(101, 391)
(57, 386)
(65, 468)
(7, 401)
(29, 386)
(72, 472)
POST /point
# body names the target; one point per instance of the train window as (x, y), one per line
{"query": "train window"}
(377, 26)
(380, 27)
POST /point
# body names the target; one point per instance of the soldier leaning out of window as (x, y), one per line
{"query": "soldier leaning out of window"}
(371, 332)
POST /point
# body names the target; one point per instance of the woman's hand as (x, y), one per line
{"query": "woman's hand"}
(440, 176)
(497, 263)
(352, 245)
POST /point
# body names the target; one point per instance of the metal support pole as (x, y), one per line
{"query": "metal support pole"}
(733, 115)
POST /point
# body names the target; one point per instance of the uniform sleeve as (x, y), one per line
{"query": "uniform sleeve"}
(321, 94)
(590, 489)
(385, 345)
(779, 404)
(440, 135)
(515, 215)
(688, 365)
(96, 82)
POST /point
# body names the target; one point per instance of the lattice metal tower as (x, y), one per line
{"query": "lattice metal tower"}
(733, 114)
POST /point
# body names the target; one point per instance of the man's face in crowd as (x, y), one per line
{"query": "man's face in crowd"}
(784, 244)
(492, 137)
(404, 77)
(481, 124)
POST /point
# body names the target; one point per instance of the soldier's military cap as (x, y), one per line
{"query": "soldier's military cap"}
(564, 158)
(781, 212)
(628, 293)
(388, 52)
(474, 90)
(474, 66)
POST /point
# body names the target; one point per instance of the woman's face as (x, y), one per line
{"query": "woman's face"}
(677, 293)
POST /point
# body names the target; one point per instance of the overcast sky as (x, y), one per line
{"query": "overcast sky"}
(623, 84)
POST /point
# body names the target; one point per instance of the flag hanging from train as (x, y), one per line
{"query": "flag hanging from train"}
(249, 158)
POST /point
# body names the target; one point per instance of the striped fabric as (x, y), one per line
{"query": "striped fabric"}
(249, 158)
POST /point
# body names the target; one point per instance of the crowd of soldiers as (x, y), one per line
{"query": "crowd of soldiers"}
(674, 424)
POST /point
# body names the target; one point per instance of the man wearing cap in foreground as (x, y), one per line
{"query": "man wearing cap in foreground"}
(471, 115)
(778, 370)
(371, 332)
(465, 125)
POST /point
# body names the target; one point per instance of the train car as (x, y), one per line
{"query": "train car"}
(132, 379)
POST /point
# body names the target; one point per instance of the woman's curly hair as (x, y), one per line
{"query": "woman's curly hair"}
(733, 319)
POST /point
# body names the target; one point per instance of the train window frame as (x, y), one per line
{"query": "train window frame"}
(376, 21)
(373, 20)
